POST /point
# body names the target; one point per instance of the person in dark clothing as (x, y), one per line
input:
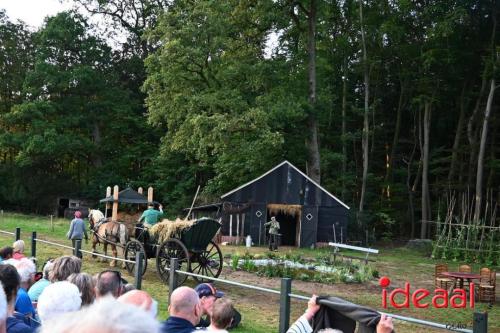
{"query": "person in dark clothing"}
(185, 311)
(336, 315)
(11, 281)
(6, 253)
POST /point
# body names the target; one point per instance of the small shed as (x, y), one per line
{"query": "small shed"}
(308, 214)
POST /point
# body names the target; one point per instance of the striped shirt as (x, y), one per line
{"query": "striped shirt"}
(300, 326)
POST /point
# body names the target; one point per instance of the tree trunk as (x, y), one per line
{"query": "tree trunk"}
(312, 144)
(395, 139)
(96, 157)
(344, 125)
(480, 157)
(458, 137)
(365, 138)
(425, 170)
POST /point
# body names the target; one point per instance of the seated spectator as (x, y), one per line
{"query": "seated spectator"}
(58, 298)
(6, 253)
(37, 288)
(303, 324)
(109, 282)
(65, 266)
(26, 270)
(85, 283)
(208, 294)
(185, 311)
(18, 248)
(106, 315)
(11, 282)
(222, 315)
(3, 310)
(142, 300)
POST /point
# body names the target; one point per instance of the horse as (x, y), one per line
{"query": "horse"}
(107, 232)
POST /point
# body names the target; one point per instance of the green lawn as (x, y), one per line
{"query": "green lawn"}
(260, 310)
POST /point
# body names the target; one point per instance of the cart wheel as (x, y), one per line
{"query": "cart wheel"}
(131, 249)
(209, 262)
(172, 248)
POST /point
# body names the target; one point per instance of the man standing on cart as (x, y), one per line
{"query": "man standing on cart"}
(274, 226)
(151, 216)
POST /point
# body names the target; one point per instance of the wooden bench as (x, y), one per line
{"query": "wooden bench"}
(338, 246)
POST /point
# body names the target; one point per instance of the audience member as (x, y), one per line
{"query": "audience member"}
(18, 250)
(142, 300)
(208, 294)
(11, 281)
(303, 324)
(185, 311)
(85, 283)
(26, 270)
(58, 298)
(3, 310)
(6, 253)
(222, 315)
(106, 315)
(109, 282)
(38, 287)
(65, 266)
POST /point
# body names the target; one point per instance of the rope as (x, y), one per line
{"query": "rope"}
(108, 257)
(55, 244)
(7, 232)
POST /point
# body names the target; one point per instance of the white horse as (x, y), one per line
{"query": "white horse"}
(107, 232)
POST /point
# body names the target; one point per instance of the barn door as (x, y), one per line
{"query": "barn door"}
(258, 215)
(308, 226)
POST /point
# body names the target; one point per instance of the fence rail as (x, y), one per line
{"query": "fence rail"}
(480, 320)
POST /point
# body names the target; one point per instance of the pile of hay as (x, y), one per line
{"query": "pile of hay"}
(169, 229)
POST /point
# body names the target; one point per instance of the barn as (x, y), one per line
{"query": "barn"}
(308, 214)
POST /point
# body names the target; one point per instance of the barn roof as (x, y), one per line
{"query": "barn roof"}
(289, 165)
(127, 195)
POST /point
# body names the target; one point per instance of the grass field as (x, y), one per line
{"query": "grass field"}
(261, 310)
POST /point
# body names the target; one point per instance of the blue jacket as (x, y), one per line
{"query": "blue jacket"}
(77, 229)
(15, 325)
(177, 325)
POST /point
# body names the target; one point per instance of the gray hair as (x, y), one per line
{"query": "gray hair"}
(330, 330)
(85, 283)
(106, 315)
(18, 246)
(65, 266)
(58, 298)
(49, 265)
(25, 268)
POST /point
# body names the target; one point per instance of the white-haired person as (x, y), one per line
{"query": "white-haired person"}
(106, 315)
(3, 310)
(58, 298)
(26, 270)
(10, 282)
(37, 288)
(18, 249)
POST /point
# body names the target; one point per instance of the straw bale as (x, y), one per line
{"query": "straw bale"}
(169, 229)
(293, 210)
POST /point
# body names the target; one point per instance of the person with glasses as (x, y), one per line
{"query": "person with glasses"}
(208, 294)
(109, 282)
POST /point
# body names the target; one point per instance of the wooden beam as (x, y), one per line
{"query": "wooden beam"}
(114, 215)
(150, 194)
(108, 193)
(140, 190)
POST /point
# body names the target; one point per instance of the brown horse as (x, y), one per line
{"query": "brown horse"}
(107, 232)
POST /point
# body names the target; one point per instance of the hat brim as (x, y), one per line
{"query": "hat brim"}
(219, 294)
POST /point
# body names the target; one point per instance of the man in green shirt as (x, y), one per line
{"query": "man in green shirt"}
(151, 216)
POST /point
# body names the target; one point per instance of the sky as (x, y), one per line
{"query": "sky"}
(32, 12)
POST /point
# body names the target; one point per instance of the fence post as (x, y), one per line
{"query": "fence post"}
(172, 280)
(78, 246)
(286, 289)
(480, 322)
(33, 244)
(18, 233)
(139, 256)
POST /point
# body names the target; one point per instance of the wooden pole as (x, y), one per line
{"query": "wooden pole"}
(108, 205)
(192, 204)
(230, 227)
(52, 222)
(140, 190)
(237, 229)
(243, 224)
(114, 214)
(150, 194)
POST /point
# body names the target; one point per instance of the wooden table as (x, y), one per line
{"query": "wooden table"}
(461, 277)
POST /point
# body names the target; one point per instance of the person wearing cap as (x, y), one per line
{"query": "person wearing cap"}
(208, 294)
(151, 216)
(274, 226)
(77, 229)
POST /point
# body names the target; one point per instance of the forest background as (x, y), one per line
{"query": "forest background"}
(390, 105)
